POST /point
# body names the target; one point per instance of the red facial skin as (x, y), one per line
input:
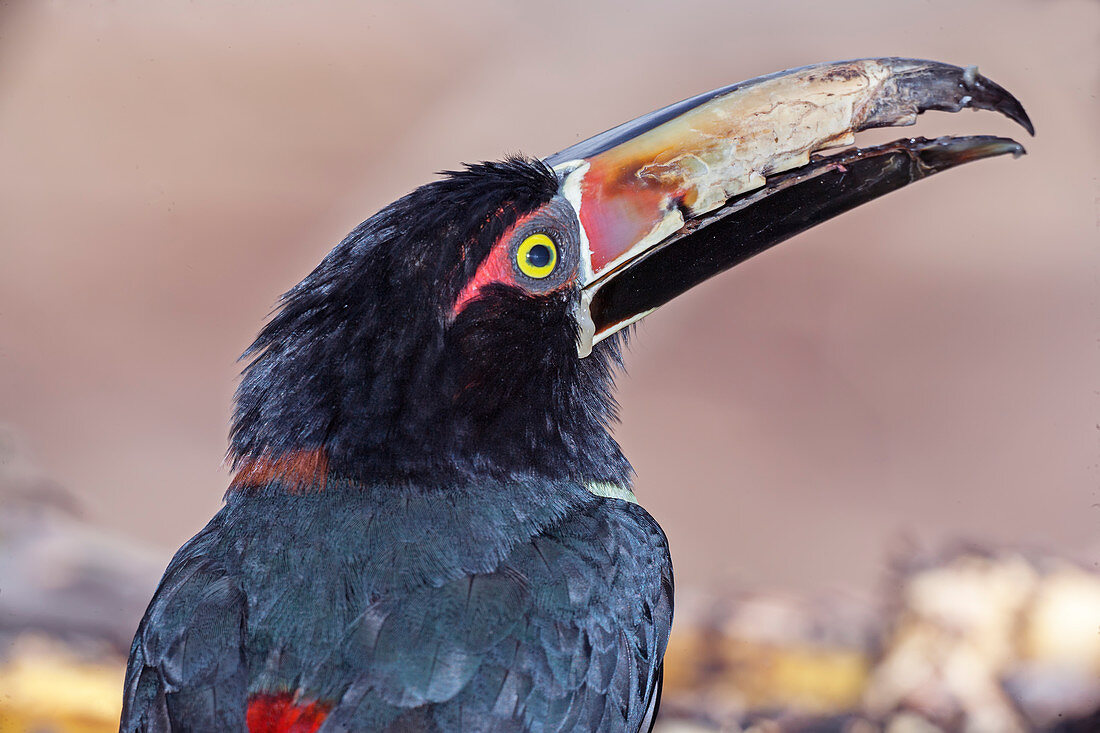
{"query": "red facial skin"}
(619, 208)
(497, 267)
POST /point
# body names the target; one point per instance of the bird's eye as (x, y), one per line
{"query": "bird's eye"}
(537, 256)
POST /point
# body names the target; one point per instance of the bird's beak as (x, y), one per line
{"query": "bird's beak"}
(677, 196)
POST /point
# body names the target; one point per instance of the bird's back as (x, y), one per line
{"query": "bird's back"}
(498, 607)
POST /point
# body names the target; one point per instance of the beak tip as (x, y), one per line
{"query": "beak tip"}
(991, 95)
(935, 85)
(1010, 107)
(948, 152)
(1015, 112)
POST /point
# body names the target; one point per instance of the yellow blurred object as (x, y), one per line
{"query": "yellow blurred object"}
(731, 658)
(45, 687)
(762, 675)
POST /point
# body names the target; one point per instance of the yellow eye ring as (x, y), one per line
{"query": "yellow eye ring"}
(537, 256)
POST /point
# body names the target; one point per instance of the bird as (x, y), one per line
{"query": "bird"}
(430, 525)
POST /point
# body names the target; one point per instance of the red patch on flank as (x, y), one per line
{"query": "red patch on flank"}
(301, 470)
(281, 713)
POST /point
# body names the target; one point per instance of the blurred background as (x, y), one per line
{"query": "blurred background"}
(911, 386)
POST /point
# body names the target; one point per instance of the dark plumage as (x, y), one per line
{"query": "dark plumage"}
(388, 607)
(443, 564)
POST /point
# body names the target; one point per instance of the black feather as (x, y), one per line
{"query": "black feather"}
(508, 616)
(454, 571)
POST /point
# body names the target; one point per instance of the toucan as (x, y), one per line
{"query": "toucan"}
(430, 526)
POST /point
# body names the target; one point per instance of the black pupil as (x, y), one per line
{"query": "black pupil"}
(539, 256)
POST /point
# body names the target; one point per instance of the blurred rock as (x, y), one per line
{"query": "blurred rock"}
(71, 596)
(991, 641)
(972, 640)
(60, 576)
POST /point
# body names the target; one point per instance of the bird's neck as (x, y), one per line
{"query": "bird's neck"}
(297, 471)
(445, 531)
(401, 398)
(304, 425)
(310, 471)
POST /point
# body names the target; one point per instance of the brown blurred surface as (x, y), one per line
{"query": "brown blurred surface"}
(926, 366)
(973, 640)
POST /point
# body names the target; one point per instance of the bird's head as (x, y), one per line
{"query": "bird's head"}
(473, 326)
